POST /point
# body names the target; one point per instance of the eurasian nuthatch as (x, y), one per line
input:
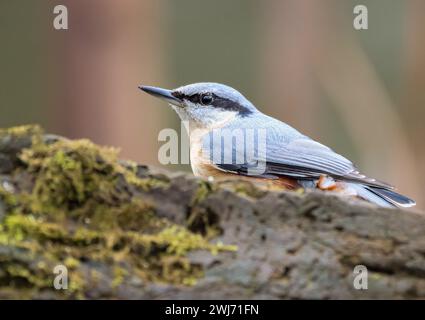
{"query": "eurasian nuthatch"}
(270, 151)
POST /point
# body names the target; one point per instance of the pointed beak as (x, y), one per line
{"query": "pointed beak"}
(162, 94)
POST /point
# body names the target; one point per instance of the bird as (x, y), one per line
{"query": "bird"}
(276, 155)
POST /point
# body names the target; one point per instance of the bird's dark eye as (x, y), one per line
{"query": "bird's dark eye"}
(206, 99)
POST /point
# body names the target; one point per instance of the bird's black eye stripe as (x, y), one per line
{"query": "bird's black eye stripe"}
(229, 105)
(194, 98)
(202, 98)
(198, 98)
(214, 101)
(178, 95)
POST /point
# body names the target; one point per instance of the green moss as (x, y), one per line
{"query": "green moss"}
(248, 189)
(6, 197)
(18, 272)
(180, 241)
(69, 174)
(119, 275)
(21, 131)
(204, 189)
(83, 205)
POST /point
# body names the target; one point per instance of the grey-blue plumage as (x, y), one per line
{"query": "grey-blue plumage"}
(218, 111)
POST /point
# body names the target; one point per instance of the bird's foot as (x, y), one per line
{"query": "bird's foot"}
(326, 183)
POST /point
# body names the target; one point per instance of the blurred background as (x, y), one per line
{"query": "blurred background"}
(360, 92)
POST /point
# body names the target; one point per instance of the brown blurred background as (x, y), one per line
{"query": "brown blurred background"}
(360, 92)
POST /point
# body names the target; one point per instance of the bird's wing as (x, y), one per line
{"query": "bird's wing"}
(298, 157)
(307, 158)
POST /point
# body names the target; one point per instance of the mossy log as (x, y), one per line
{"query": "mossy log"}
(126, 231)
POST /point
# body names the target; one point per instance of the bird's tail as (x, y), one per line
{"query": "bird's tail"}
(383, 197)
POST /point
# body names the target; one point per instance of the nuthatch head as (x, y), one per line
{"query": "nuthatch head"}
(205, 105)
(290, 159)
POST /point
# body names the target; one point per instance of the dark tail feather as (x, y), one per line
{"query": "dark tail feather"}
(392, 197)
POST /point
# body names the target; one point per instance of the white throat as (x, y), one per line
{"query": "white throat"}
(205, 119)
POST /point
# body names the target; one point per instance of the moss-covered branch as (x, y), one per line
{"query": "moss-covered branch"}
(127, 231)
(73, 203)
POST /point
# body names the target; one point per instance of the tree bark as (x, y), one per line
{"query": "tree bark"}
(289, 245)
